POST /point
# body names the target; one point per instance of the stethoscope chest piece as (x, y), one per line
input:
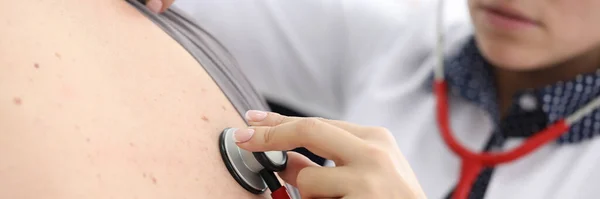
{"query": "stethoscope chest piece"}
(245, 166)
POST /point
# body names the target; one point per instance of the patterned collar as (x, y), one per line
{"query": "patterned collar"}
(470, 77)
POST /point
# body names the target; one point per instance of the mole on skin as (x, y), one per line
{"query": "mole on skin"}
(154, 181)
(36, 65)
(205, 119)
(17, 101)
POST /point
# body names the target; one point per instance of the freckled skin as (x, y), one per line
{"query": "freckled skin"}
(109, 89)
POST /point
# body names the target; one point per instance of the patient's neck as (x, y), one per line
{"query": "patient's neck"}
(509, 82)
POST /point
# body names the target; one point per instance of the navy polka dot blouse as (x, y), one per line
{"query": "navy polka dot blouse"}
(470, 77)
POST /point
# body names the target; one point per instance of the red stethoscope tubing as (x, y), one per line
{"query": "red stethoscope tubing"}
(473, 163)
(280, 193)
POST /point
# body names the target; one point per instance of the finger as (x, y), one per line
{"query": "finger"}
(260, 118)
(296, 162)
(154, 5)
(321, 138)
(324, 182)
(158, 6)
(166, 5)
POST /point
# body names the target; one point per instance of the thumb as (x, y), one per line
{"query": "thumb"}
(296, 162)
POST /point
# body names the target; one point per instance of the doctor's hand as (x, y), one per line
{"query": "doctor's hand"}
(158, 6)
(368, 162)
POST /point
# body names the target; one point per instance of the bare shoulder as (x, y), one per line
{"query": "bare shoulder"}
(100, 103)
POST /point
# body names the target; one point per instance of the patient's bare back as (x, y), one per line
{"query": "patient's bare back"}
(98, 102)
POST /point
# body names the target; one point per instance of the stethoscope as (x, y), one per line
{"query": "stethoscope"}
(472, 162)
(254, 171)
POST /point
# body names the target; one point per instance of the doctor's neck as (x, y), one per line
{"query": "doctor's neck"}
(510, 81)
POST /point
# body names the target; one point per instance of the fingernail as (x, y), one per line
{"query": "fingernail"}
(243, 135)
(154, 5)
(255, 116)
